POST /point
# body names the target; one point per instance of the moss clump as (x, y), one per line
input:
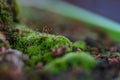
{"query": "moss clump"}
(79, 44)
(8, 15)
(38, 46)
(4, 12)
(115, 54)
(9, 11)
(14, 9)
(71, 60)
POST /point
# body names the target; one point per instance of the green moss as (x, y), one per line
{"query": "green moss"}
(71, 60)
(35, 43)
(80, 44)
(15, 10)
(8, 15)
(115, 54)
(8, 10)
(4, 12)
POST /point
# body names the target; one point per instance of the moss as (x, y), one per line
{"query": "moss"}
(4, 12)
(39, 44)
(8, 15)
(15, 10)
(115, 54)
(71, 60)
(9, 11)
(80, 44)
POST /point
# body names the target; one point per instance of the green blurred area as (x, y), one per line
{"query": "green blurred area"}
(66, 19)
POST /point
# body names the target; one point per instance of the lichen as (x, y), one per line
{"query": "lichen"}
(71, 60)
(38, 45)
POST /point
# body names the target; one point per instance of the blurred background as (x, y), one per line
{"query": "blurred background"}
(35, 15)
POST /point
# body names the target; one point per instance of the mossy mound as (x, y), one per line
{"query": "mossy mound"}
(38, 45)
(69, 61)
(79, 45)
